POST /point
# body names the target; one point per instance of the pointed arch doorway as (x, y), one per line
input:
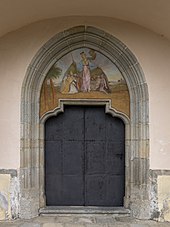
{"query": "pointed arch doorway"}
(32, 126)
(84, 158)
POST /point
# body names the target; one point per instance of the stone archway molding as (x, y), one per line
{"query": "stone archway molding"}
(137, 137)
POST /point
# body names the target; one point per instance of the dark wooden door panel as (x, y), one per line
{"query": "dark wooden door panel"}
(95, 189)
(53, 188)
(84, 158)
(73, 190)
(53, 130)
(94, 124)
(73, 123)
(95, 156)
(115, 129)
(53, 163)
(115, 159)
(115, 190)
(73, 158)
(65, 152)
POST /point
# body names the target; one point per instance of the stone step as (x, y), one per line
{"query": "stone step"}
(84, 210)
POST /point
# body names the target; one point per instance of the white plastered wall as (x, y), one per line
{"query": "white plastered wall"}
(19, 47)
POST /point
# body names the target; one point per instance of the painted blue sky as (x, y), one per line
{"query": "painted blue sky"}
(111, 71)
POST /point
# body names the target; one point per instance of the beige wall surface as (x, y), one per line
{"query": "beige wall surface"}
(18, 48)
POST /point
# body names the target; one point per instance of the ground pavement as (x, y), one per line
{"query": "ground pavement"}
(83, 220)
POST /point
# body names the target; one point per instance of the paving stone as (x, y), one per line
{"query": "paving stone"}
(105, 220)
(74, 225)
(30, 225)
(44, 219)
(96, 225)
(160, 224)
(118, 225)
(85, 220)
(53, 225)
(153, 223)
(65, 219)
(8, 225)
(126, 219)
(139, 225)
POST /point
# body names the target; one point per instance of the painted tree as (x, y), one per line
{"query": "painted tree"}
(53, 73)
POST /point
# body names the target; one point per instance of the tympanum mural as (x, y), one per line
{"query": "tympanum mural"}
(84, 74)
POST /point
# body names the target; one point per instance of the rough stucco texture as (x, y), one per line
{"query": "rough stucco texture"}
(18, 48)
(5, 210)
(164, 197)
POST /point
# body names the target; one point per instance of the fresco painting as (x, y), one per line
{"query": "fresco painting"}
(84, 74)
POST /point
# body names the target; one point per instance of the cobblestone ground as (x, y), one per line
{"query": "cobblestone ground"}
(83, 221)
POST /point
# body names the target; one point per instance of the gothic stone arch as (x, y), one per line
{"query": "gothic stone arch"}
(137, 136)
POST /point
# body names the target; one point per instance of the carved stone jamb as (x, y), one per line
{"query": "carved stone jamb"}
(137, 139)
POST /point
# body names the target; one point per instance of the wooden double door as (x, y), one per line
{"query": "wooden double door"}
(84, 158)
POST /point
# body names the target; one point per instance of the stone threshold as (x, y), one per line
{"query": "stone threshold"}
(84, 210)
